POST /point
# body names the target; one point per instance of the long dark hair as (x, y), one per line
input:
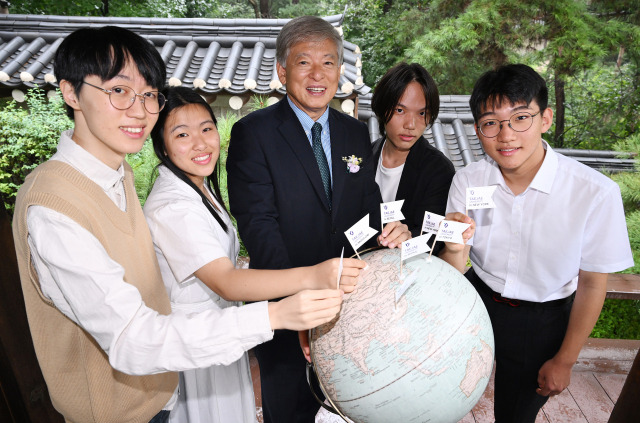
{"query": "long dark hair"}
(178, 97)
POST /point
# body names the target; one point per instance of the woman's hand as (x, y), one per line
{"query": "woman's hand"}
(325, 274)
(305, 310)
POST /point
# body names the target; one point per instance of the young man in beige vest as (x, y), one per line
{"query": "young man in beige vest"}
(100, 317)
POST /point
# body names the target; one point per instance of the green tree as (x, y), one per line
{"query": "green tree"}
(28, 137)
(144, 8)
(467, 38)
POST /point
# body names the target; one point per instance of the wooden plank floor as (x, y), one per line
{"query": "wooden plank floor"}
(596, 382)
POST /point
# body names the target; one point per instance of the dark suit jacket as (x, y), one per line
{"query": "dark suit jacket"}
(276, 192)
(424, 184)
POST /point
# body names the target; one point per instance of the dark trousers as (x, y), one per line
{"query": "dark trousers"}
(526, 336)
(286, 397)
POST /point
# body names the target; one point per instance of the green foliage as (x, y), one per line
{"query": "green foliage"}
(225, 123)
(619, 319)
(28, 136)
(142, 8)
(601, 107)
(257, 102)
(633, 227)
(630, 189)
(144, 164)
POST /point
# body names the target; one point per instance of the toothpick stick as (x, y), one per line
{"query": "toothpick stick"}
(358, 255)
(434, 240)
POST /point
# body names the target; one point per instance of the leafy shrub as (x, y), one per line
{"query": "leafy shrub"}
(28, 136)
(619, 319)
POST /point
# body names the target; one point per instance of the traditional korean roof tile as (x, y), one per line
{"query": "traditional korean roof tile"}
(235, 56)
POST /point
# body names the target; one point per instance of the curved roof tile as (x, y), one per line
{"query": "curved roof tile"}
(212, 55)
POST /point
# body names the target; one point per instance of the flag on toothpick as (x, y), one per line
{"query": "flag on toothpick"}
(431, 222)
(340, 268)
(391, 211)
(414, 246)
(360, 233)
(451, 231)
(480, 197)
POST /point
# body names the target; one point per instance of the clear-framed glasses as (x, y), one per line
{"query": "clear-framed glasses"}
(123, 97)
(519, 122)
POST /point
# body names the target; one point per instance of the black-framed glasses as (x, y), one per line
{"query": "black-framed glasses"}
(123, 97)
(519, 122)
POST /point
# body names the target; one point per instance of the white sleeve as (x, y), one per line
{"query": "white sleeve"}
(605, 243)
(185, 234)
(86, 285)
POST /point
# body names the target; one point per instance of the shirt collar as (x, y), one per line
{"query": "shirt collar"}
(87, 164)
(165, 174)
(305, 119)
(547, 172)
(543, 179)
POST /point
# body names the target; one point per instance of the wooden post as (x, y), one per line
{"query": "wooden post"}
(627, 408)
(23, 393)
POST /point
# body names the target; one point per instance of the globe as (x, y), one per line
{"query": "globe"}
(426, 358)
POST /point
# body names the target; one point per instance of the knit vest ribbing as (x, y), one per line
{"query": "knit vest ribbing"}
(82, 384)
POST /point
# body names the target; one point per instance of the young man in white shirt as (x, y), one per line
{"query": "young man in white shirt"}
(98, 312)
(541, 256)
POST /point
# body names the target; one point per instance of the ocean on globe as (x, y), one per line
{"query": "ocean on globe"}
(426, 358)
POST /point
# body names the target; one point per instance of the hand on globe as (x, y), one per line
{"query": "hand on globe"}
(305, 310)
(325, 274)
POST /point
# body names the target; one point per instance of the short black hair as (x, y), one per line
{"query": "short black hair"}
(393, 84)
(514, 83)
(104, 52)
(178, 97)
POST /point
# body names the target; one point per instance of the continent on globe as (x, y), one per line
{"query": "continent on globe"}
(427, 358)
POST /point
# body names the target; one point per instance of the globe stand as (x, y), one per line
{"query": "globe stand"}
(311, 376)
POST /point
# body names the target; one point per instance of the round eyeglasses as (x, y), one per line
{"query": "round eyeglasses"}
(123, 97)
(519, 122)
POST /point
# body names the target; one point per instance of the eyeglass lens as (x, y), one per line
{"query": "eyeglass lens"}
(519, 122)
(123, 97)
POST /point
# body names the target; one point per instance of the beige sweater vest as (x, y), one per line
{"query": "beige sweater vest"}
(82, 384)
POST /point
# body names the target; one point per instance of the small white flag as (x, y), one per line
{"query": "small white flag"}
(451, 231)
(391, 211)
(480, 197)
(414, 246)
(340, 267)
(360, 233)
(431, 222)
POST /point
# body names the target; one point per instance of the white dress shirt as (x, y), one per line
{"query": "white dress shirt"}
(532, 246)
(85, 284)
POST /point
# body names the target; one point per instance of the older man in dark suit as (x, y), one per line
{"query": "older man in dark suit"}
(293, 194)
